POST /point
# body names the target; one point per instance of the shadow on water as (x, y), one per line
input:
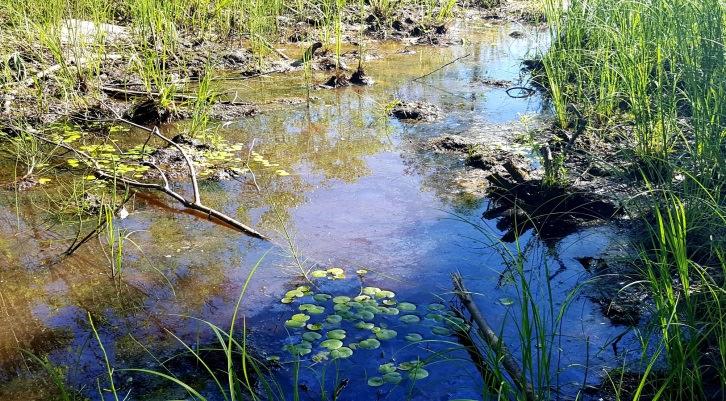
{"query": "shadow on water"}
(363, 194)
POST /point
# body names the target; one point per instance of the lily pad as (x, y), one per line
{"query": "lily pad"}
(386, 334)
(441, 331)
(322, 297)
(312, 309)
(341, 308)
(336, 271)
(413, 337)
(365, 315)
(418, 373)
(361, 298)
(406, 306)
(286, 300)
(371, 291)
(319, 273)
(341, 299)
(314, 326)
(389, 302)
(361, 272)
(364, 325)
(370, 343)
(409, 365)
(384, 294)
(376, 381)
(311, 336)
(294, 324)
(390, 311)
(332, 344)
(337, 334)
(506, 301)
(410, 319)
(436, 307)
(334, 319)
(340, 353)
(386, 368)
(393, 378)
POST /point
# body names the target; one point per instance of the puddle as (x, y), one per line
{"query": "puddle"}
(362, 195)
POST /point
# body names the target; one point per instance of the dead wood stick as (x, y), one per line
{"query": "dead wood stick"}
(442, 67)
(114, 90)
(166, 188)
(491, 338)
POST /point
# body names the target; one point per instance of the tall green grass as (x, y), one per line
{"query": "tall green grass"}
(650, 74)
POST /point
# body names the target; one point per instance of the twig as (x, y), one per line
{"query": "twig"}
(443, 66)
(491, 338)
(166, 188)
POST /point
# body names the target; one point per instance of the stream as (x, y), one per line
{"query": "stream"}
(366, 195)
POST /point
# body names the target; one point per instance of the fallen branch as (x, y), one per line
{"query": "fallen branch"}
(116, 91)
(442, 67)
(194, 204)
(491, 338)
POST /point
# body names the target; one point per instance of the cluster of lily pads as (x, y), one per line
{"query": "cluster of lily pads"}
(337, 326)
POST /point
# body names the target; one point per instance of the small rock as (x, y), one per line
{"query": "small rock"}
(418, 111)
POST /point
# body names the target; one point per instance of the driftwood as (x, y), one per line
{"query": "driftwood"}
(195, 203)
(491, 338)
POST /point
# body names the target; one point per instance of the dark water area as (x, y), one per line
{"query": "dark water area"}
(364, 193)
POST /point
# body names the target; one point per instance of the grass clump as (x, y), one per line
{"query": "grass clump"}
(648, 76)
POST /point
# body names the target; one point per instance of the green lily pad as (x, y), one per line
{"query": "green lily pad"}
(436, 307)
(441, 331)
(389, 302)
(393, 378)
(311, 336)
(406, 306)
(322, 297)
(337, 334)
(370, 343)
(312, 309)
(341, 299)
(384, 294)
(297, 349)
(336, 271)
(413, 337)
(361, 298)
(340, 353)
(300, 317)
(371, 291)
(294, 324)
(365, 325)
(321, 356)
(334, 319)
(435, 316)
(386, 334)
(294, 294)
(376, 381)
(409, 365)
(386, 368)
(390, 311)
(286, 300)
(410, 319)
(365, 315)
(418, 373)
(319, 273)
(506, 301)
(314, 326)
(341, 307)
(332, 344)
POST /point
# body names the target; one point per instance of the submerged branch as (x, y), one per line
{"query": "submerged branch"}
(491, 338)
(194, 204)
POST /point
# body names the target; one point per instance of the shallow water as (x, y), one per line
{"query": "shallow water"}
(363, 194)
